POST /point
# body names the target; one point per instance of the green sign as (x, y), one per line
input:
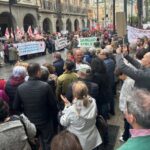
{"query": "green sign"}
(87, 42)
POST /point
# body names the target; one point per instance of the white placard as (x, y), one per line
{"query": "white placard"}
(60, 43)
(27, 48)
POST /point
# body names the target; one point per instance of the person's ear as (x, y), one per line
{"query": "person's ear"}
(130, 118)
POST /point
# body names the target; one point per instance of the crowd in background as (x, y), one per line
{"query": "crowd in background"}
(69, 94)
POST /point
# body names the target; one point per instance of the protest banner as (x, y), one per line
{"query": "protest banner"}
(60, 43)
(30, 47)
(135, 33)
(87, 42)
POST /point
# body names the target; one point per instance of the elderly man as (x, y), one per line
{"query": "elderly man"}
(141, 72)
(138, 115)
(37, 101)
(78, 55)
(83, 73)
(110, 67)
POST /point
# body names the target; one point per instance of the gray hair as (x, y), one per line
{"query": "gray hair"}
(19, 71)
(138, 105)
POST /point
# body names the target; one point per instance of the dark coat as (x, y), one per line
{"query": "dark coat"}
(103, 83)
(36, 100)
(11, 88)
(59, 65)
(92, 87)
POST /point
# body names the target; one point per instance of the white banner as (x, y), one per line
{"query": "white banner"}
(30, 47)
(60, 43)
(87, 42)
(134, 33)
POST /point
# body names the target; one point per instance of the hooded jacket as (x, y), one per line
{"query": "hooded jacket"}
(81, 120)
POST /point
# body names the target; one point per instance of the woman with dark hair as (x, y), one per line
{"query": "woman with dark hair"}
(65, 140)
(12, 130)
(99, 76)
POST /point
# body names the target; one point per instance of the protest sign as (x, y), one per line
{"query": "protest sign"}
(60, 43)
(121, 24)
(87, 42)
(27, 48)
(134, 33)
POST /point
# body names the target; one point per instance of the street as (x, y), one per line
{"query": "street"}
(6, 70)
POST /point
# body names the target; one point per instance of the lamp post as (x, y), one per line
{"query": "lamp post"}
(114, 16)
(140, 12)
(125, 8)
(97, 2)
(12, 2)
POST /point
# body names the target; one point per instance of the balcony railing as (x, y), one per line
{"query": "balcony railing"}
(64, 8)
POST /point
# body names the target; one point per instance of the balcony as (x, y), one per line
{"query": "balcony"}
(73, 9)
(64, 8)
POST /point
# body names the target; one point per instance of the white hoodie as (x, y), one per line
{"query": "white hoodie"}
(81, 120)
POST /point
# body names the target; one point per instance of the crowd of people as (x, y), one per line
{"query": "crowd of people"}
(55, 106)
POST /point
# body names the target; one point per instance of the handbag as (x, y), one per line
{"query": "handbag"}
(102, 127)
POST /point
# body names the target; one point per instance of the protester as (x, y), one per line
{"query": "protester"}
(110, 68)
(137, 114)
(51, 70)
(58, 63)
(99, 76)
(37, 101)
(66, 78)
(97, 43)
(78, 55)
(141, 74)
(13, 54)
(126, 90)
(80, 117)
(15, 131)
(65, 140)
(17, 78)
(83, 75)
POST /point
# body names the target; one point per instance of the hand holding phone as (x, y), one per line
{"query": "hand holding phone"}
(65, 100)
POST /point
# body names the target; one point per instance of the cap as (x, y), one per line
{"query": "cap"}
(84, 68)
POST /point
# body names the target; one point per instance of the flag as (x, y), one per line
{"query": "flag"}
(36, 31)
(22, 31)
(30, 31)
(7, 33)
(18, 33)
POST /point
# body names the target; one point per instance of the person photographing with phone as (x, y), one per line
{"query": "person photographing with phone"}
(79, 117)
(141, 71)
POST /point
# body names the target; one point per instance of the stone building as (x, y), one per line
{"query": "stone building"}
(48, 15)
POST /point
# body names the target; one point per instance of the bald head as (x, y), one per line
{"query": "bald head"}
(78, 54)
(146, 60)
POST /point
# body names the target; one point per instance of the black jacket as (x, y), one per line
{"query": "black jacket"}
(36, 100)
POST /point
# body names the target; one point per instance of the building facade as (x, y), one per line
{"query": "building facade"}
(48, 15)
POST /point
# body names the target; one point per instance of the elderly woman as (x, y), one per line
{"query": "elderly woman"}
(80, 117)
(15, 131)
(18, 75)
